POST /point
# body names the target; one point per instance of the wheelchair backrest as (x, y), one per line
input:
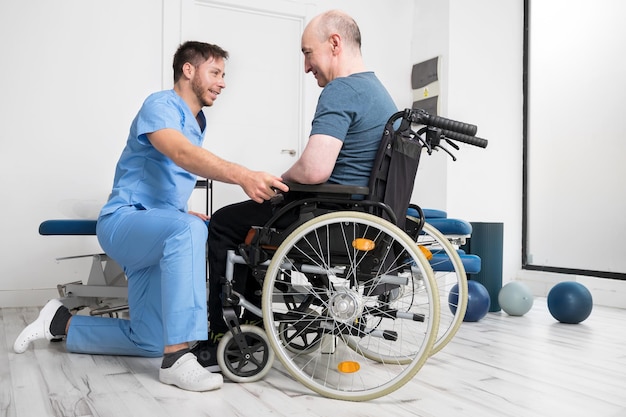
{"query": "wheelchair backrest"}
(395, 167)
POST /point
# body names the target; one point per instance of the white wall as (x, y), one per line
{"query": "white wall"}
(431, 38)
(480, 44)
(486, 89)
(76, 71)
(74, 74)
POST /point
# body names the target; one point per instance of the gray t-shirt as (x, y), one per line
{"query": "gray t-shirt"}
(354, 109)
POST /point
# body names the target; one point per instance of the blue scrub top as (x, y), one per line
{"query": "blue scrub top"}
(146, 178)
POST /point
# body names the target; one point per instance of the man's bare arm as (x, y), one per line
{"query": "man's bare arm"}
(316, 162)
(257, 185)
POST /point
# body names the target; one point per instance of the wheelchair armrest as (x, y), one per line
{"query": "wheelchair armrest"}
(306, 198)
(326, 188)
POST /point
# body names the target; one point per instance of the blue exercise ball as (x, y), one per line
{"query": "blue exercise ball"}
(515, 298)
(478, 300)
(570, 302)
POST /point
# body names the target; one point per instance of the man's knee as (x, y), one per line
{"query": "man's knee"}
(199, 228)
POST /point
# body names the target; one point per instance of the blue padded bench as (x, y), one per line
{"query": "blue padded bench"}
(428, 213)
(440, 262)
(106, 280)
(439, 220)
(457, 231)
(67, 227)
(451, 227)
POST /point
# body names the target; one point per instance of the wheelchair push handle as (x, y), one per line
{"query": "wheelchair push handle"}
(420, 116)
(460, 137)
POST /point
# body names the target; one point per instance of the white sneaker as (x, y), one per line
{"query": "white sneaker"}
(39, 329)
(188, 374)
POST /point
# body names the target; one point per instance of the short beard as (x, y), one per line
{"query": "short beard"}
(200, 91)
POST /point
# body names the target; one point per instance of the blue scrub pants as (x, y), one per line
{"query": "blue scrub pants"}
(163, 253)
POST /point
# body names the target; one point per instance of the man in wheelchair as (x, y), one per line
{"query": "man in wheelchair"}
(350, 117)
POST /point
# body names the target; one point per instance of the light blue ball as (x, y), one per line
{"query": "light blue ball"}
(515, 298)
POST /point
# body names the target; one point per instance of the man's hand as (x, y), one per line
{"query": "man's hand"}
(202, 216)
(261, 186)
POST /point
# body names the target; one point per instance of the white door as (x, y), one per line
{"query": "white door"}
(257, 121)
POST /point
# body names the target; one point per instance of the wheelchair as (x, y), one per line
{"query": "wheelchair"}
(351, 302)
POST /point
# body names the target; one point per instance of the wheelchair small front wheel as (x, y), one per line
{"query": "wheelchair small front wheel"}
(248, 362)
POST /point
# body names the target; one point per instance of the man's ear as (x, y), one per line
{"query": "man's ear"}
(335, 42)
(188, 70)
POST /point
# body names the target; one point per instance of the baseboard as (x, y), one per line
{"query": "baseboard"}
(27, 298)
(605, 292)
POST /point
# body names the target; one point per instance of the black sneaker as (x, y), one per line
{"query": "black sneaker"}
(206, 352)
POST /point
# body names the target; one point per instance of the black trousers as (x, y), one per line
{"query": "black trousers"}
(227, 230)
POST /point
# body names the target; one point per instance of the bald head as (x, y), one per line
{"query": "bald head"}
(331, 44)
(336, 22)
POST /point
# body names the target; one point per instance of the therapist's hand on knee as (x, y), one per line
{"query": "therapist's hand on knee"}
(202, 216)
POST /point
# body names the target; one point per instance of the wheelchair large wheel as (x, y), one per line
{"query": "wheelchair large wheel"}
(299, 336)
(450, 276)
(246, 363)
(365, 296)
